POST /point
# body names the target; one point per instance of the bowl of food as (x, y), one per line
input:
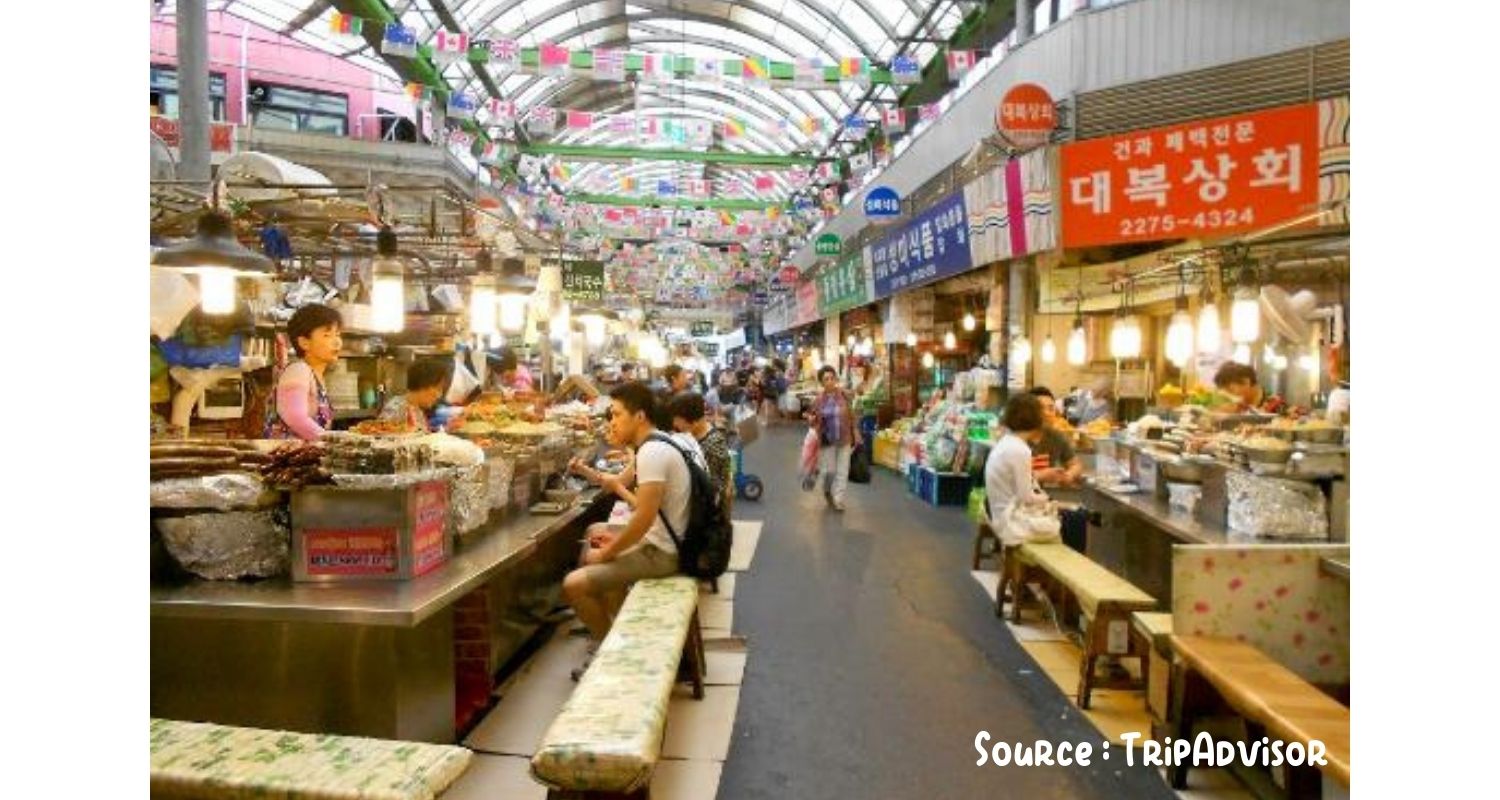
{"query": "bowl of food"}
(1319, 432)
(1182, 470)
(1261, 449)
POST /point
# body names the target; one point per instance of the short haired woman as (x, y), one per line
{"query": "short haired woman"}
(833, 419)
(1007, 471)
(426, 382)
(299, 407)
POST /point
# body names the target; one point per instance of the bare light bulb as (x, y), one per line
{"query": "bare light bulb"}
(969, 321)
(911, 340)
(1309, 362)
(927, 360)
(1180, 338)
(216, 287)
(1242, 353)
(388, 302)
(1078, 346)
(1125, 338)
(561, 324)
(949, 340)
(1244, 316)
(1210, 332)
(513, 312)
(1021, 351)
(593, 329)
(1049, 351)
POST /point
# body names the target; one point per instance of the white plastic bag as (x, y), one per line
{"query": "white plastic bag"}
(172, 297)
(463, 384)
(1034, 523)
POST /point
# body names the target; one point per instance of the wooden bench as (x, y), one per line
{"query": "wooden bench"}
(1268, 696)
(1075, 582)
(606, 740)
(985, 534)
(205, 761)
(1152, 631)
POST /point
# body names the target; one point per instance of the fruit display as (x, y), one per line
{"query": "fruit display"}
(1170, 396)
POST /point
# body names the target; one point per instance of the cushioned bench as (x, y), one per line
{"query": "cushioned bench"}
(1266, 694)
(219, 762)
(606, 740)
(1105, 599)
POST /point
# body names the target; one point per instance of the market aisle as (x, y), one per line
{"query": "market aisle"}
(878, 658)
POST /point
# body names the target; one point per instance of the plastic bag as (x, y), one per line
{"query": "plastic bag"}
(809, 468)
(463, 384)
(1030, 523)
(172, 297)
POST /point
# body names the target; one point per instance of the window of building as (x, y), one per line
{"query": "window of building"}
(164, 98)
(305, 110)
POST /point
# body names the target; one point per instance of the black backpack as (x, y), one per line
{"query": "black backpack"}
(702, 549)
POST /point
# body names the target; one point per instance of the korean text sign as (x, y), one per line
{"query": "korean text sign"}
(843, 286)
(1198, 179)
(583, 281)
(933, 245)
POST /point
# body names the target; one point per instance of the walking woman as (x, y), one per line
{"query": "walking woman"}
(837, 436)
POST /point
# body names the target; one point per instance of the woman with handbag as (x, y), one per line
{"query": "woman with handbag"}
(1017, 507)
(833, 420)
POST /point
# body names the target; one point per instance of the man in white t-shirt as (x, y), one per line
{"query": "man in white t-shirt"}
(643, 548)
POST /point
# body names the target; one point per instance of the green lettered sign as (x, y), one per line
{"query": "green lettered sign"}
(828, 245)
(583, 281)
(843, 286)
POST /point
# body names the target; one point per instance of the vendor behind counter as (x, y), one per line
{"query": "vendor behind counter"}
(426, 383)
(299, 407)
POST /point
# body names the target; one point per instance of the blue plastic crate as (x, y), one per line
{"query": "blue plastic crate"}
(943, 488)
(911, 477)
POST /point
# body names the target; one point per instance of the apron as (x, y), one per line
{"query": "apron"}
(322, 414)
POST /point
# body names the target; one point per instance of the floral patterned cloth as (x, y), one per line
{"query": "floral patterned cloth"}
(210, 762)
(608, 736)
(1274, 597)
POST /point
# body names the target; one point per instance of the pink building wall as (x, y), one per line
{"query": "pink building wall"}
(277, 59)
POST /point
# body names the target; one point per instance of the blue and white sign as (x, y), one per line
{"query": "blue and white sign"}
(882, 203)
(932, 246)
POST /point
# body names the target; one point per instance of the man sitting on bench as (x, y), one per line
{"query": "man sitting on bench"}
(618, 557)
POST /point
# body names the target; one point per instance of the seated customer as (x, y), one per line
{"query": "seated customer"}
(1053, 460)
(426, 382)
(643, 547)
(1007, 471)
(688, 416)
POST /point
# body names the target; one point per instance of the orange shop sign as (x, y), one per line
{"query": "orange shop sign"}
(1026, 110)
(1200, 179)
(220, 134)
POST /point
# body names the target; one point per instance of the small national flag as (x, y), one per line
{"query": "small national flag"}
(449, 47)
(808, 73)
(623, 124)
(417, 92)
(797, 178)
(855, 69)
(905, 70)
(542, 119)
(765, 183)
(666, 188)
(773, 213)
(697, 188)
(859, 163)
(708, 70)
(553, 59)
(959, 63)
(734, 128)
(560, 171)
(462, 106)
(502, 113)
(460, 140)
(628, 184)
(856, 125)
(930, 112)
(826, 172)
(346, 25)
(609, 64)
(756, 71)
(893, 120)
(733, 187)
(658, 67)
(491, 153)
(811, 125)
(699, 131)
(399, 41)
(505, 54)
(649, 127)
(580, 120)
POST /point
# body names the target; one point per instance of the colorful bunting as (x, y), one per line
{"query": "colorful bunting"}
(905, 71)
(765, 183)
(807, 73)
(579, 120)
(449, 47)
(708, 70)
(734, 128)
(930, 112)
(505, 55)
(417, 92)
(959, 63)
(755, 71)
(462, 106)
(855, 69)
(345, 25)
(856, 125)
(811, 125)
(893, 120)
(553, 59)
(542, 119)
(622, 124)
(502, 113)
(399, 41)
(609, 64)
(658, 67)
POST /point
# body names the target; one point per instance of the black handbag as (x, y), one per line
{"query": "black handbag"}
(859, 464)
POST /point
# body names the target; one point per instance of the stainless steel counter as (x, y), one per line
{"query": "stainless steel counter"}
(1185, 528)
(400, 603)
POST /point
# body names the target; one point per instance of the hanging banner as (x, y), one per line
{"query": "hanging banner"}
(844, 286)
(1026, 115)
(932, 246)
(1207, 178)
(1011, 209)
(583, 281)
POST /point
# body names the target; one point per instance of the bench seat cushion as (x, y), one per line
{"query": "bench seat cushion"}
(1266, 692)
(1092, 584)
(608, 736)
(210, 762)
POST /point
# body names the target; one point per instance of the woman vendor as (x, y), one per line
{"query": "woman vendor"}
(426, 382)
(1239, 389)
(299, 407)
(510, 374)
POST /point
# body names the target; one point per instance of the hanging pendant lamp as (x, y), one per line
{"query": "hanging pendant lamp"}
(217, 258)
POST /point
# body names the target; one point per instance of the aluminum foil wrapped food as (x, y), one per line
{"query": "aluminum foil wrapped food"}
(468, 499)
(1276, 508)
(399, 480)
(227, 492)
(501, 469)
(229, 545)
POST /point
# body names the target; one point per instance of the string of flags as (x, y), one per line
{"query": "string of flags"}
(613, 64)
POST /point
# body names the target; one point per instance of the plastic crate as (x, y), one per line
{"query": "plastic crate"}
(911, 477)
(943, 488)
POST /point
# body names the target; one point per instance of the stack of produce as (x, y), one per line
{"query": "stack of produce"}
(193, 458)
